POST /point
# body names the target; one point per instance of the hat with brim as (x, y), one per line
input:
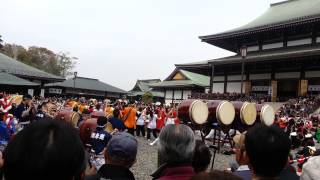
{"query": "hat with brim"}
(123, 145)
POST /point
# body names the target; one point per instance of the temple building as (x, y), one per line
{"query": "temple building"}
(181, 84)
(278, 53)
(13, 84)
(17, 77)
(84, 87)
(143, 86)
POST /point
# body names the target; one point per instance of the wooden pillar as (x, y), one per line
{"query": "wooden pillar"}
(225, 83)
(172, 96)
(247, 87)
(211, 78)
(274, 90)
(314, 35)
(303, 87)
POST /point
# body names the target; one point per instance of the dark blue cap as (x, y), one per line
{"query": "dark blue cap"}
(123, 145)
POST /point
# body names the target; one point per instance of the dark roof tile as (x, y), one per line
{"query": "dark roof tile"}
(87, 83)
(12, 66)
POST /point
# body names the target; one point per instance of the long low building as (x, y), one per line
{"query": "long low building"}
(86, 87)
(19, 69)
(278, 54)
(12, 84)
(17, 77)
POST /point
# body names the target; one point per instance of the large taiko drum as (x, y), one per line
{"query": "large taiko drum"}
(221, 111)
(265, 114)
(193, 111)
(86, 129)
(246, 112)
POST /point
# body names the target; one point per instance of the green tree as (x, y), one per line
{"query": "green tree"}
(1, 42)
(66, 63)
(13, 50)
(60, 64)
(147, 98)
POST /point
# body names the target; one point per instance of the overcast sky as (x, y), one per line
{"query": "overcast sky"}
(120, 41)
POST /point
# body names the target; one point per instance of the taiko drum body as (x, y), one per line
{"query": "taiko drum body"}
(265, 114)
(221, 111)
(246, 112)
(193, 112)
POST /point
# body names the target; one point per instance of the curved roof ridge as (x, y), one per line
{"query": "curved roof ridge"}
(281, 2)
(282, 13)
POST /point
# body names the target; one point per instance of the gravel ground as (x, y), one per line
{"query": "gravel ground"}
(147, 160)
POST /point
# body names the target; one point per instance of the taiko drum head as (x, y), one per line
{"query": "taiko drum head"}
(248, 113)
(199, 112)
(225, 113)
(267, 115)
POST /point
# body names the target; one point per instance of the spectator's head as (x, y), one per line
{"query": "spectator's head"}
(151, 113)
(86, 114)
(216, 175)
(98, 106)
(101, 122)
(201, 158)
(116, 113)
(40, 106)
(267, 149)
(240, 149)
(26, 98)
(46, 149)
(75, 109)
(122, 150)
(176, 144)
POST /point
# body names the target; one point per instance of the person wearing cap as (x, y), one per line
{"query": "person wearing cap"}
(100, 138)
(26, 111)
(120, 155)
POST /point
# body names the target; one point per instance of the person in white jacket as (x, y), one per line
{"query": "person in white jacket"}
(141, 118)
(152, 125)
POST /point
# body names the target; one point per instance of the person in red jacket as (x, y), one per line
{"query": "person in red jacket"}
(161, 119)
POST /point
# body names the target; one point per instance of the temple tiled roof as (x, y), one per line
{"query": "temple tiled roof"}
(191, 80)
(88, 84)
(277, 54)
(143, 86)
(12, 66)
(9, 79)
(278, 15)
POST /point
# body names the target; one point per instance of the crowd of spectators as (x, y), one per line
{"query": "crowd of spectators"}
(50, 149)
(257, 98)
(48, 146)
(299, 117)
